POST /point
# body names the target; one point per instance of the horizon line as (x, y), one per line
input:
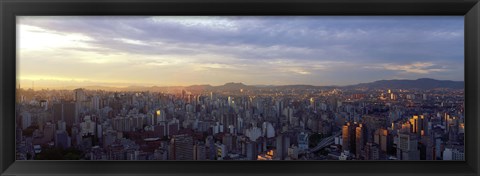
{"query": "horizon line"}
(72, 87)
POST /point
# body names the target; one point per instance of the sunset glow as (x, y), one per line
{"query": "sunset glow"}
(56, 52)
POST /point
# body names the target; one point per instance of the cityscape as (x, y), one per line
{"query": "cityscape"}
(225, 88)
(240, 122)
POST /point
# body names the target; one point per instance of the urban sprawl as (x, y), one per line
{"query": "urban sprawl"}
(239, 122)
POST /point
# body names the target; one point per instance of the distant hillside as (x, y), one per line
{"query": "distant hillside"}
(232, 87)
(422, 83)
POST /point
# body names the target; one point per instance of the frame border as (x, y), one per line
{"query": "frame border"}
(9, 9)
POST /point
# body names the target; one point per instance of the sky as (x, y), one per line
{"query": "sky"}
(123, 51)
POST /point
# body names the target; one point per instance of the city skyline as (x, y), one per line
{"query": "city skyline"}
(444, 84)
(236, 122)
(183, 51)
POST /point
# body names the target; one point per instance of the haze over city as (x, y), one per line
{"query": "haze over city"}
(58, 52)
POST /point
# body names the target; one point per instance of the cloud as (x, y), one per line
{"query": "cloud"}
(133, 42)
(209, 23)
(417, 67)
(298, 48)
(37, 38)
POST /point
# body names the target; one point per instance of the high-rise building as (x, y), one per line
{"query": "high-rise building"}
(251, 150)
(302, 141)
(181, 147)
(26, 120)
(210, 144)
(64, 111)
(228, 141)
(348, 137)
(372, 151)
(80, 95)
(288, 112)
(87, 127)
(453, 153)
(360, 139)
(62, 140)
(407, 148)
(222, 151)
(381, 138)
(173, 127)
(418, 125)
(96, 103)
(200, 151)
(282, 144)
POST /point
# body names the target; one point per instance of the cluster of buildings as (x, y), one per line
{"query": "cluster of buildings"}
(243, 124)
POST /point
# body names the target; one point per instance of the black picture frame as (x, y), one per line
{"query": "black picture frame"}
(9, 9)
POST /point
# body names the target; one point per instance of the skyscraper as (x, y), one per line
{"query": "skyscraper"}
(360, 139)
(407, 147)
(64, 111)
(381, 138)
(79, 95)
(200, 151)
(181, 147)
(372, 151)
(348, 137)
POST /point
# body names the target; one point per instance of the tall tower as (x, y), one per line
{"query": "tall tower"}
(360, 140)
(348, 137)
(79, 95)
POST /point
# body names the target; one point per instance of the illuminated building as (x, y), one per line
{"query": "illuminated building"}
(267, 156)
(393, 96)
(348, 137)
(360, 139)
(159, 116)
(221, 150)
(312, 104)
(381, 138)
(230, 101)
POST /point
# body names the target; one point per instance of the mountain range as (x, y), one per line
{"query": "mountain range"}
(422, 83)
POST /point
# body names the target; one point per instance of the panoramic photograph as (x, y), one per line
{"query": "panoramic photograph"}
(208, 88)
